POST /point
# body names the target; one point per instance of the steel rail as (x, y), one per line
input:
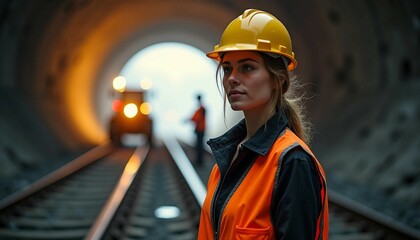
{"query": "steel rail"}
(68, 169)
(184, 164)
(395, 227)
(114, 201)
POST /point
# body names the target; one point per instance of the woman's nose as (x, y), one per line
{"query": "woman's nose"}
(233, 77)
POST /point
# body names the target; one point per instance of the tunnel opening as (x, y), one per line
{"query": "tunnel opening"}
(177, 72)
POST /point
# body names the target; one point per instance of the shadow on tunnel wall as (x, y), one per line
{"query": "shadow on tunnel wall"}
(359, 61)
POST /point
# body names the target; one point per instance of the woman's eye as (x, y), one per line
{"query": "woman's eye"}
(227, 70)
(247, 68)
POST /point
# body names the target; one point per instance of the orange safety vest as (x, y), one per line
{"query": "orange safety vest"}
(247, 213)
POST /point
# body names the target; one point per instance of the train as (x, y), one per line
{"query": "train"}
(131, 115)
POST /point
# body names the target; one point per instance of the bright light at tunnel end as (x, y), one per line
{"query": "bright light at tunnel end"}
(172, 74)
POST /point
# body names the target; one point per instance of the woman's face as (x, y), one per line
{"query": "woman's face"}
(246, 80)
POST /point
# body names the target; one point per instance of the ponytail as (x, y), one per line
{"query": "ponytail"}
(285, 99)
(292, 109)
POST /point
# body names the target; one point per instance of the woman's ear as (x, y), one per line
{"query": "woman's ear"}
(277, 83)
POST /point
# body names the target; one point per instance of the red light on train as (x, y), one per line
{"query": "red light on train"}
(117, 105)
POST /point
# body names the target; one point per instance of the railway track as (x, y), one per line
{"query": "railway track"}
(352, 220)
(162, 204)
(124, 193)
(64, 204)
(109, 193)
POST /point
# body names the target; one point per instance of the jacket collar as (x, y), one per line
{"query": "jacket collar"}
(224, 146)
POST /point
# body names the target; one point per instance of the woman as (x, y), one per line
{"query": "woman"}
(266, 183)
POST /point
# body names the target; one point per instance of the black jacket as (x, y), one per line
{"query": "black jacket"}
(297, 204)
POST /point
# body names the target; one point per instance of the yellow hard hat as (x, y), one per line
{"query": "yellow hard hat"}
(259, 31)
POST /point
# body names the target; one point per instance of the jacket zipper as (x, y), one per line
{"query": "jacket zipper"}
(216, 231)
(213, 218)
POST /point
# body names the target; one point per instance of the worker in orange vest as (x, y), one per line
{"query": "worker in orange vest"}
(199, 119)
(267, 183)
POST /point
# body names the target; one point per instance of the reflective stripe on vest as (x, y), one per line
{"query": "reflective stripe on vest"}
(247, 213)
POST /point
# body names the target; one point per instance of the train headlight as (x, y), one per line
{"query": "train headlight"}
(145, 108)
(130, 110)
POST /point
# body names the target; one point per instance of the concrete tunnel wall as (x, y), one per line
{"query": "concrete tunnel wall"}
(360, 62)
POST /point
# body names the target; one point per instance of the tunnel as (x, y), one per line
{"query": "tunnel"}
(358, 63)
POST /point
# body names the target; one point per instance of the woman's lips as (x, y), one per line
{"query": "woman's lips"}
(235, 93)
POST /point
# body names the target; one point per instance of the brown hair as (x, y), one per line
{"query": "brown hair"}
(284, 97)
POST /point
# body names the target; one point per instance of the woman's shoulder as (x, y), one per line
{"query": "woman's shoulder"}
(296, 154)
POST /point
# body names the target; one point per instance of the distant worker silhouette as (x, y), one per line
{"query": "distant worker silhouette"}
(199, 119)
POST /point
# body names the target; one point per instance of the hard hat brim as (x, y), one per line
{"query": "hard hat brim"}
(216, 54)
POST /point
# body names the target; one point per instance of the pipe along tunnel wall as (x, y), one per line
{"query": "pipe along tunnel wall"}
(359, 62)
